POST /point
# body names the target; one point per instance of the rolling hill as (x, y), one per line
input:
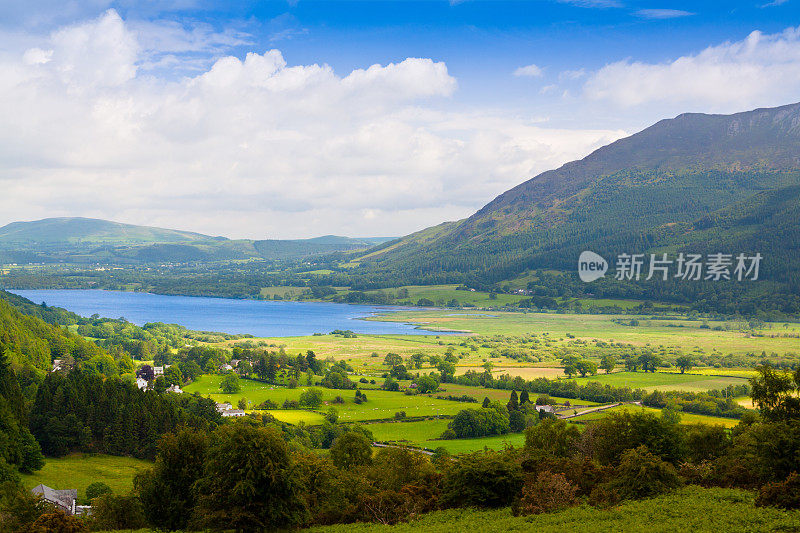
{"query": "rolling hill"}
(87, 240)
(696, 183)
(90, 231)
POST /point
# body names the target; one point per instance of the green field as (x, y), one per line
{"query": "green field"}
(686, 418)
(78, 471)
(295, 416)
(663, 381)
(668, 332)
(380, 405)
(689, 509)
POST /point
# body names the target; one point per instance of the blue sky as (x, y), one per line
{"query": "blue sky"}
(368, 118)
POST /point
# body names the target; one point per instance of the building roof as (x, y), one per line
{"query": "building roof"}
(64, 498)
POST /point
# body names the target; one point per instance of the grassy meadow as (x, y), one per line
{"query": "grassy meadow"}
(78, 471)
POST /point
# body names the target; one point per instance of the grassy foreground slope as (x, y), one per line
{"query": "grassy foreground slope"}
(689, 509)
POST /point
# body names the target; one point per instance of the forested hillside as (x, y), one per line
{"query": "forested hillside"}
(697, 183)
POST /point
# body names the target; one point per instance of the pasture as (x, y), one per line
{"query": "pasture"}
(380, 404)
(686, 418)
(664, 381)
(78, 471)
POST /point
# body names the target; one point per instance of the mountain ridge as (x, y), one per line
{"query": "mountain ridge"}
(648, 191)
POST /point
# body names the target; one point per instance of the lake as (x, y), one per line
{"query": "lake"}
(259, 318)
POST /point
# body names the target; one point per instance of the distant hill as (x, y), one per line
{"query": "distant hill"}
(696, 182)
(88, 240)
(90, 231)
(299, 248)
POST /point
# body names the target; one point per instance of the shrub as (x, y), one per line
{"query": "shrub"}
(338, 399)
(98, 488)
(57, 522)
(8, 472)
(311, 398)
(546, 492)
(782, 494)
(351, 449)
(482, 479)
(400, 415)
(641, 474)
(230, 384)
(111, 512)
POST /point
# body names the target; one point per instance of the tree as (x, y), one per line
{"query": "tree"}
(586, 367)
(684, 362)
(447, 370)
(248, 483)
(311, 398)
(570, 365)
(110, 512)
(351, 449)
(230, 384)
(167, 490)
(649, 361)
(242, 403)
(332, 416)
(524, 398)
(390, 384)
(552, 437)
(513, 402)
(173, 375)
(641, 474)
(482, 479)
(426, 384)
(98, 488)
(392, 360)
(146, 372)
(608, 362)
(774, 392)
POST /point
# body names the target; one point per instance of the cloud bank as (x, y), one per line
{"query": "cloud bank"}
(249, 146)
(758, 71)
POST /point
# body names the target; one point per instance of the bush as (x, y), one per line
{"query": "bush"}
(400, 415)
(311, 398)
(111, 512)
(230, 384)
(547, 492)
(641, 474)
(8, 473)
(57, 522)
(98, 488)
(351, 449)
(482, 479)
(782, 494)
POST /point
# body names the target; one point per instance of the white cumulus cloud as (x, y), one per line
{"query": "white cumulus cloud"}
(531, 71)
(758, 71)
(250, 146)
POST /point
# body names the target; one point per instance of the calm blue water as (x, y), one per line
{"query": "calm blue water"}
(260, 318)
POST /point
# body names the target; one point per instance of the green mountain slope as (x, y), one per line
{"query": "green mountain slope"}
(695, 183)
(300, 248)
(87, 240)
(90, 231)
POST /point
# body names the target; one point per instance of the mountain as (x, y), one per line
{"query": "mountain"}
(299, 248)
(695, 182)
(90, 231)
(88, 240)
